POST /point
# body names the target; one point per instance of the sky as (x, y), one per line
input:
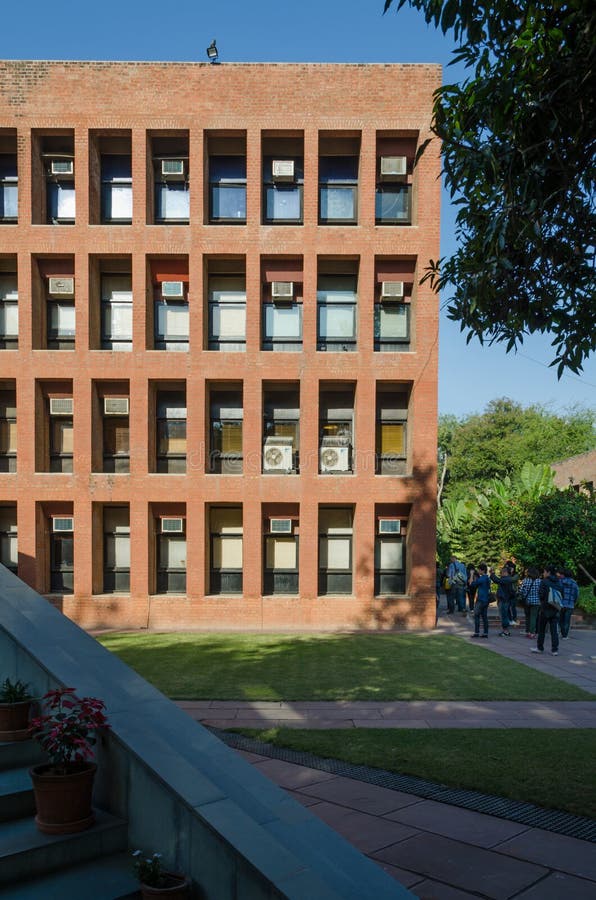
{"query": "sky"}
(309, 31)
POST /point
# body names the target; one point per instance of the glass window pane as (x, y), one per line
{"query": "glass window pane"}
(62, 319)
(62, 551)
(337, 321)
(283, 322)
(172, 320)
(281, 553)
(118, 551)
(390, 554)
(62, 436)
(392, 439)
(391, 321)
(117, 321)
(283, 202)
(335, 553)
(9, 550)
(229, 437)
(227, 552)
(8, 287)
(9, 320)
(338, 203)
(117, 201)
(61, 199)
(8, 437)
(228, 202)
(228, 321)
(9, 201)
(115, 436)
(171, 437)
(172, 552)
(392, 204)
(172, 200)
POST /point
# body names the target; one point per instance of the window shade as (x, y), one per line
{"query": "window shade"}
(391, 439)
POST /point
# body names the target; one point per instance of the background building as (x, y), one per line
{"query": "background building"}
(218, 369)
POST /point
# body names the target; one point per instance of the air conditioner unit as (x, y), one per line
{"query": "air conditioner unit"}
(393, 167)
(335, 458)
(282, 291)
(280, 526)
(282, 169)
(389, 526)
(172, 525)
(61, 406)
(115, 406)
(392, 290)
(61, 287)
(172, 290)
(277, 454)
(62, 523)
(172, 168)
(62, 167)
(174, 412)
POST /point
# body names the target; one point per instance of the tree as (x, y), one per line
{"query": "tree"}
(519, 146)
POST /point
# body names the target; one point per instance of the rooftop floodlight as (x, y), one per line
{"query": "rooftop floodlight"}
(212, 53)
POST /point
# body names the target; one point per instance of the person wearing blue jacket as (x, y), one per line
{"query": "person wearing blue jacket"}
(482, 586)
(570, 592)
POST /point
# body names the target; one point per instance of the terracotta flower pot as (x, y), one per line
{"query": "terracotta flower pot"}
(63, 801)
(176, 887)
(14, 721)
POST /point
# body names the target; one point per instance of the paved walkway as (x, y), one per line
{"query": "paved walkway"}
(439, 851)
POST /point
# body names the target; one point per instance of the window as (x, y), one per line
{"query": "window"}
(61, 443)
(227, 312)
(61, 563)
(391, 436)
(227, 189)
(116, 189)
(283, 179)
(393, 204)
(281, 564)
(171, 319)
(171, 432)
(338, 190)
(336, 412)
(171, 562)
(61, 323)
(226, 431)
(8, 432)
(116, 312)
(392, 326)
(282, 316)
(336, 312)
(226, 550)
(116, 444)
(8, 538)
(9, 188)
(335, 550)
(116, 549)
(60, 187)
(281, 431)
(9, 311)
(172, 196)
(390, 576)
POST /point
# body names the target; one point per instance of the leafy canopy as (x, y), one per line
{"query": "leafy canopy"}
(519, 148)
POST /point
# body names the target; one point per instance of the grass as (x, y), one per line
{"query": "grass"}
(331, 667)
(550, 768)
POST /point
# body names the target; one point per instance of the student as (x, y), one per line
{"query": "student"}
(569, 593)
(481, 586)
(505, 590)
(548, 614)
(528, 590)
(458, 578)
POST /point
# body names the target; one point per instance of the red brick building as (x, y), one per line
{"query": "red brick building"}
(218, 369)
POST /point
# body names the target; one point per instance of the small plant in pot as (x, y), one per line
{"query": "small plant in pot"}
(63, 787)
(15, 706)
(155, 881)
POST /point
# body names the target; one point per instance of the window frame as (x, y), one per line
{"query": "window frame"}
(115, 571)
(53, 187)
(270, 184)
(56, 339)
(170, 580)
(235, 343)
(393, 187)
(391, 343)
(8, 459)
(272, 576)
(109, 303)
(338, 184)
(395, 576)
(118, 462)
(162, 341)
(7, 182)
(238, 182)
(107, 183)
(326, 344)
(58, 459)
(220, 579)
(161, 184)
(60, 573)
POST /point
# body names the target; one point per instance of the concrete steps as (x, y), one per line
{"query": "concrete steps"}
(108, 878)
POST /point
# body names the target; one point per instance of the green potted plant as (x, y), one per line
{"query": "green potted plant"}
(155, 881)
(63, 787)
(15, 706)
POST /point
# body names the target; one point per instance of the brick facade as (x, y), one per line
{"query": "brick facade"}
(136, 105)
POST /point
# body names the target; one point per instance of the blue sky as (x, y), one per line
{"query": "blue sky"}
(309, 31)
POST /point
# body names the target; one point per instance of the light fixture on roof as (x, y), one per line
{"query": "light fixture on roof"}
(212, 53)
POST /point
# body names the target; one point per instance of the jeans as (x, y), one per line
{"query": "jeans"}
(512, 610)
(532, 611)
(552, 623)
(565, 620)
(471, 592)
(459, 596)
(504, 610)
(480, 612)
(449, 597)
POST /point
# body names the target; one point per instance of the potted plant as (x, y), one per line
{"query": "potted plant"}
(63, 787)
(155, 881)
(15, 705)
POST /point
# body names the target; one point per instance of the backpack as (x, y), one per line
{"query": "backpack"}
(459, 579)
(555, 598)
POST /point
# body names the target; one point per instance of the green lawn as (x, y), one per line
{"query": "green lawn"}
(549, 767)
(331, 667)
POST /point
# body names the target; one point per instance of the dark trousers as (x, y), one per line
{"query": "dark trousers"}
(480, 612)
(565, 620)
(552, 623)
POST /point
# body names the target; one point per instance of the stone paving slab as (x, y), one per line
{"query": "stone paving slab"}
(432, 890)
(408, 879)
(462, 865)
(368, 833)
(559, 886)
(458, 824)
(289, 775)
(548, 849)
(359, 795)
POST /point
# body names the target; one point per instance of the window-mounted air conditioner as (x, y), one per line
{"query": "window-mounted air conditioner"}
(172, 168)
(62, 167)
(174, 412)
(115, 406)
(172, 290)
(277, 454)
(61, 287)
(389, 526)
(393, 167)
(335, 458)
(282, 169)
(392, 290)
(61, 406)
(280, 526)
(172, 525)
(282, 291)
(62, 523)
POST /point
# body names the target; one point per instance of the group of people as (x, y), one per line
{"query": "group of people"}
(548, 598)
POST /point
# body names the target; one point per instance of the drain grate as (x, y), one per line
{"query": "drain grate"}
(523, 813)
